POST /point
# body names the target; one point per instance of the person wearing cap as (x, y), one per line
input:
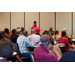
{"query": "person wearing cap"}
(41, 53)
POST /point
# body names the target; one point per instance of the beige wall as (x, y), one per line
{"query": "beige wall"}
(74, 24)
(47, 20)
(30, 17)
(4, 20)
(63, 20)
(17, 19)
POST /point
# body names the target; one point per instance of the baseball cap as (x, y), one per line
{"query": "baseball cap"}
(44, 39)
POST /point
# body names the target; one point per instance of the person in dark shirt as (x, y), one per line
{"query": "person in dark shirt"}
(68, 57)
(6, 50)
(14, 36)
(45, 32)
(22, 29)
(51, 31)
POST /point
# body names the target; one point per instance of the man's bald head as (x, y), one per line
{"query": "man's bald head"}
(33, 31)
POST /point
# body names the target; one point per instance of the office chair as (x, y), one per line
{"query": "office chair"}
(16, 49)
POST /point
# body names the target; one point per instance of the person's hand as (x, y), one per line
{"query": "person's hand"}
(10, 61)
(41, 30)
(73, 46)
(73, 49)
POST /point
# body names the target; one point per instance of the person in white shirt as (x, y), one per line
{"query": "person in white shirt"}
(33, 37)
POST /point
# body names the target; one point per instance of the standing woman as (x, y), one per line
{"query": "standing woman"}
(35, 27)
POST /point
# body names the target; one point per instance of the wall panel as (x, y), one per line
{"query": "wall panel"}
(64, 20)
(17, 19)
(74, 24)
(30, 17)
(47, 20)
(4, 20)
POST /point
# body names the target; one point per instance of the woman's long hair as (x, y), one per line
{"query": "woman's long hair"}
(51, 39)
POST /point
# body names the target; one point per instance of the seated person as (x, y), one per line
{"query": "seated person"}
(68, 57)
(7, 33)
(53, 48)
(6, 48)
(68, 35)
(18, 27)
(65, 40)
(60, 32)
(56, 36)
(45, 32)
(41, 54)
(51, 31)
(14, 36)
(22, 29)
(33, 37)
(23, 42)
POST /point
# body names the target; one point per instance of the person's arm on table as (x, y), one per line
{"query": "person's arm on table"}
(72, 46)
(29, 43)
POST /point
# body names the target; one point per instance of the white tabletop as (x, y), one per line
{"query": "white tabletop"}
(73, 39)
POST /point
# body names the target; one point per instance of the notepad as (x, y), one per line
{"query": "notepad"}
(14, 53)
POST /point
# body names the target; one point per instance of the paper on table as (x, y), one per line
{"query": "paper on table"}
(14, 53)
(73, 39)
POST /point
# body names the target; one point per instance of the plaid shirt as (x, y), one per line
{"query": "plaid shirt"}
(23, 42)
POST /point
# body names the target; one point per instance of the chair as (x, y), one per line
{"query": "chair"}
(16, 49)
(61, 46)
(32, 58)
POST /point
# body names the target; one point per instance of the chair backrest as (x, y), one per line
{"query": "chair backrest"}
(30, 48)
(61, 44)
(16, 48)
(32, 58)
